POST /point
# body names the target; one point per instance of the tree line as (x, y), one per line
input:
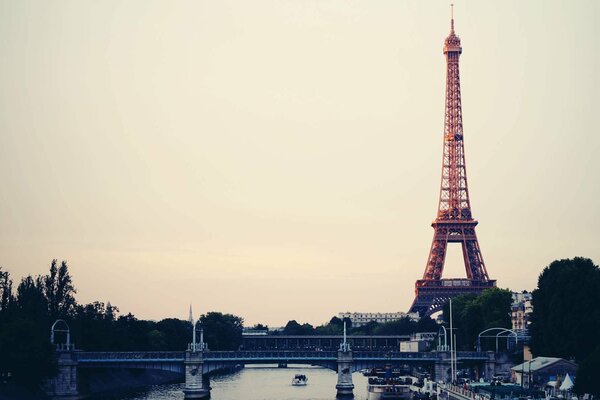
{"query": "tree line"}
(28, 311)
(403, 326)
(565, 322)
(566, 318)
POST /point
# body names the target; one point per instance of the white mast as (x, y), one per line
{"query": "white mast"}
(451, 347)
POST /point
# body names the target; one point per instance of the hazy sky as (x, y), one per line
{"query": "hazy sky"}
(281, 159)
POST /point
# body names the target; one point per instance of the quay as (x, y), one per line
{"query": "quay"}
(448, 391)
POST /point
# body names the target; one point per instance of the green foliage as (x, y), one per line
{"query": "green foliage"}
(26, 352)
(6, 297)
(294, 328)
(335, 326)
(588, 373)
(222, 331)
(26, 317)
(30, 301)
(58, 291)
(157, 340)
(178, 333)
(566, 315)
(405, 326)
(260, 327)
(473, 314)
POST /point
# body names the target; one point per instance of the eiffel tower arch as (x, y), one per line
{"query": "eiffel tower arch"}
(454, 222)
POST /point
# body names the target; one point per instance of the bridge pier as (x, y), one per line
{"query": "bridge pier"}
(344, 385)
(194, 385)
(442, 367)
(64, 385)
(489, 368)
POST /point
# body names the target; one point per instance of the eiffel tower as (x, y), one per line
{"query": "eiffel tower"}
(454, 222)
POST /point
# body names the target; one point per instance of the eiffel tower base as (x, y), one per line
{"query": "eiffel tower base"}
(432, 295)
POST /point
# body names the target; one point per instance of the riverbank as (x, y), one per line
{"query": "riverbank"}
(12, 391)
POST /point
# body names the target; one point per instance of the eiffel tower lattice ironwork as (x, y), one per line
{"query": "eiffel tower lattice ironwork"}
(454, 222)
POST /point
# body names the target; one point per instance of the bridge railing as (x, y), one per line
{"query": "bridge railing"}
(471, 354)
(269, 355)
(393, 355)
(130, 355)
(279, 355)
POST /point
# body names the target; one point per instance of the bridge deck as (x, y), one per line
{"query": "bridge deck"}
(265, 356)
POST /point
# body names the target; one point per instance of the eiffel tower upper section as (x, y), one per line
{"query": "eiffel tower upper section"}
(454, 222)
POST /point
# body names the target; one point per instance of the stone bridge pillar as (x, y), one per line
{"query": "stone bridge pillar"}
(489, 368)
(64, 385)
(344, 384)
(194, 385)
(442, 367)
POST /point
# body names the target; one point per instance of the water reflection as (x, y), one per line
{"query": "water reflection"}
(260, 383)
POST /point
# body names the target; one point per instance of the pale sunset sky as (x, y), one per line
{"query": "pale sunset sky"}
(281, 159)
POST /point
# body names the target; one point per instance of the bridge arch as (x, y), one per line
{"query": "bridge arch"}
(499, 333)
(60, 326)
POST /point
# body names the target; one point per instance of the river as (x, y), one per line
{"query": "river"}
(260, 383)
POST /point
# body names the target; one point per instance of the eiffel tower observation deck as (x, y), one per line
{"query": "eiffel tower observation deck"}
(454, 222)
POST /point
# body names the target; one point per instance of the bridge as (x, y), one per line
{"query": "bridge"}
(195, 363)
(323, 342)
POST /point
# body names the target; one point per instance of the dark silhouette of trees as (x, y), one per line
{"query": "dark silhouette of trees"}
(26, 351)
(587, 374)
(473, 314)
(30, 301)
(294, 328)
(566, 317)
(222, 331)
(334, 327)
(566, 312)
(178, 333)
(260, 327)
(6, 295)
(58, 290)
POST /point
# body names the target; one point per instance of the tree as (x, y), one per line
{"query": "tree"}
(260, 327)
(335, 326)
(495, 306)
(6, 296)
(157, 340)
(222, 331)
(58, 289)
(294, 328)
(426, 324)
(30, 300)
(26, 352)
(587, 374)
(473, 314)
(178, 333)
(566, 317)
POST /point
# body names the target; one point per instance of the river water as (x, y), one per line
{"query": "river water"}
(261, 383)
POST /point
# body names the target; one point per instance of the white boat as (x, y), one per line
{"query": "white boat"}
(389, 389)
(300, 380)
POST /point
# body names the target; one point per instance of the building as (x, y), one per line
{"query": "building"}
(542, 370)
(359, 318)
(521, 310)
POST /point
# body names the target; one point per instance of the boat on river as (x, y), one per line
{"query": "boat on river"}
(300, 380)
(391, 388)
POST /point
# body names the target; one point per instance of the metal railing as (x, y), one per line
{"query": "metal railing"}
(130, 356)
(270, 354)
(266, 355)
